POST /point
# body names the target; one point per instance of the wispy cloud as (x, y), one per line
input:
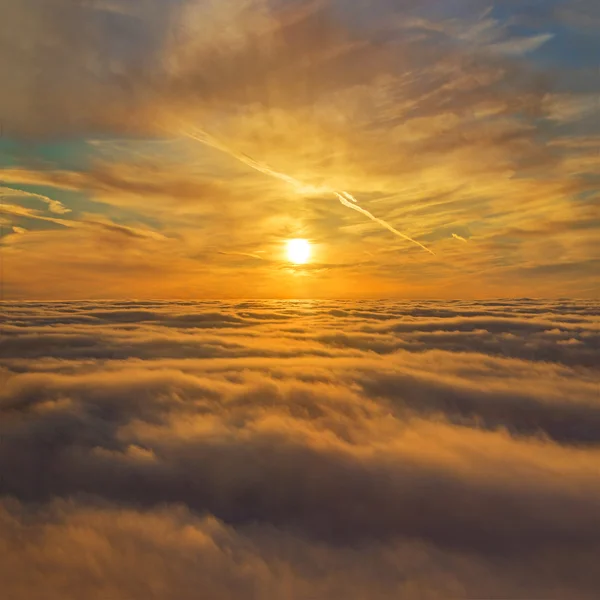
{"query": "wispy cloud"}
(435, 121)
(54, 206)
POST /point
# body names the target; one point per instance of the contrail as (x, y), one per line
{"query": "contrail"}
(344, 197)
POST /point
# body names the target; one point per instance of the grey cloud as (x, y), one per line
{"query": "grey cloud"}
(282, 452)
(559, 332)
(211, 446)
(76, 67)
(66, 66)
(127, 554)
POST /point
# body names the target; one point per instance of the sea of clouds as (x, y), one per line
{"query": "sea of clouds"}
(300, 450)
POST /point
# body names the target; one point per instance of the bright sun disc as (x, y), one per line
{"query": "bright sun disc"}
(298, 251)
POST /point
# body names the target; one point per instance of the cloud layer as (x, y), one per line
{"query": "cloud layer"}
(300, 449)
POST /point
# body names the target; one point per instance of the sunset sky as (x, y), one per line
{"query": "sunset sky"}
(171, 148)
(299, 299)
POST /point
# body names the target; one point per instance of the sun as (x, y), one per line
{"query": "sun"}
(298, 251)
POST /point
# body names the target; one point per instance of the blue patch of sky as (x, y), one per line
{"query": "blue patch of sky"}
(72, 155)
(127, 217)
(569, 47)
(28, 223)
(80, 205)
(366, 13)
(68, 155)
(77, 202)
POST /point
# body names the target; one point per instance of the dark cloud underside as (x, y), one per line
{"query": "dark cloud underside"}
(299, 450)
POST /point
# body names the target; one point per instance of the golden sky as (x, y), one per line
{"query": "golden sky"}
(171, 148)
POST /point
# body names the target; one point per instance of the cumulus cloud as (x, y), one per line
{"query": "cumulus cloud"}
(170, 552)
(252, 449)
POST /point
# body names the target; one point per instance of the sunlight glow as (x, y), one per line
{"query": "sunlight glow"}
(298, 251)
